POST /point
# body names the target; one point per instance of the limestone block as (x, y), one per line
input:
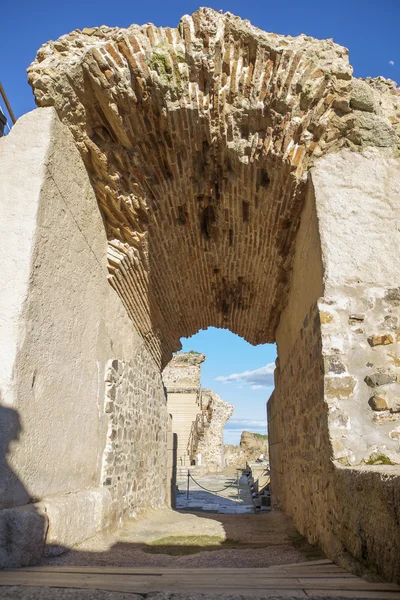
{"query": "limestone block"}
(75, 517)
(339, 387)
(363, 97)
(22, 535)
(378, 379)
(378, 402)
(380, 339)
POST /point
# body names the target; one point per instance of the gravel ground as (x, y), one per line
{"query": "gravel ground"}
(168, 538)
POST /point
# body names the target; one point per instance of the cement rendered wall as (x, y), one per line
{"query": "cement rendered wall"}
(60, 324)
(334, 408)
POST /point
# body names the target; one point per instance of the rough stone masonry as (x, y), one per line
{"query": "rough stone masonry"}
(217, 175)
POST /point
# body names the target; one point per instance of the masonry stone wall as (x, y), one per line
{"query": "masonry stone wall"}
(336, 381)
(183, 370)
(211, 444)
(60, 325)
(134, 466)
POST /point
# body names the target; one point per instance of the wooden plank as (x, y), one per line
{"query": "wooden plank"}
(351, 584)
(154, 570)
(175, 582)
(353, 594)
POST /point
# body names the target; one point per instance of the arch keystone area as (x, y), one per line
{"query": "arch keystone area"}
(216, 175)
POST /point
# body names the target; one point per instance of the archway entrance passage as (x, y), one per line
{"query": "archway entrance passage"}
(246, 181)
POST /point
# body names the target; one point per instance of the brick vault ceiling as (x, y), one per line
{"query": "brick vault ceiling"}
(197, 141)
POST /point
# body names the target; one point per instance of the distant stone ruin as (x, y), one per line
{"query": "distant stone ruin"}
(198, 415)
(250, 448)
(176, 179)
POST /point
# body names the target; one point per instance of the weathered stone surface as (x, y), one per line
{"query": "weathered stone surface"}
(60, 323)
(339, 387)
(183, 370)
(134, 468)
(380, 339)
(241, 189)
(378, 379)
(249, 449)
(333, 364)
(378, 402)
(363, 97)
(395, 405)
(74, 518)
(211, 444)
(198, 415)
(22, 534)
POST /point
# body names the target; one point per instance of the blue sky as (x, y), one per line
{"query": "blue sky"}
(369, 28)
(237, 372)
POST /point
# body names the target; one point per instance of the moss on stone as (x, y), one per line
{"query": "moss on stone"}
(379, 459)
(160, 62)
(343, 460)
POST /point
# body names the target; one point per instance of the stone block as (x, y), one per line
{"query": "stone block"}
(75, 517)
(378, 379)
(339, 387)
(380, 339)
(22, 535)
(378, 402)
(363, 97)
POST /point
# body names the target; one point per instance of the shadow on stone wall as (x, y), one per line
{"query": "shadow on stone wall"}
(22, 527)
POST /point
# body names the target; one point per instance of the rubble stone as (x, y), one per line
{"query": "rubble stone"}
(378, 402)
(380, 339)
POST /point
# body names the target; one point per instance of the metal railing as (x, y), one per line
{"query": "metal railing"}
(3, 118)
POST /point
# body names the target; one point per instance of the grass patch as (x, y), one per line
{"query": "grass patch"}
(188, 540)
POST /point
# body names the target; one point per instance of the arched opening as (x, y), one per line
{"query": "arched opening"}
(246, 182)
(217, 387)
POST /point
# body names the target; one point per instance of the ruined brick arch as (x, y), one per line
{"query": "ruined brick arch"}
(246, 180)
(198, 141)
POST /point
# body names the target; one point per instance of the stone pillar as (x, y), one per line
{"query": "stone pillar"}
(334, 418)
(60, 324)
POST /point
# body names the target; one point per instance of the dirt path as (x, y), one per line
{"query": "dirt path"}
(167, 538)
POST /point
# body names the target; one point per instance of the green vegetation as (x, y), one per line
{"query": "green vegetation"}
(160, 62)
(261, 436)
(379, 459)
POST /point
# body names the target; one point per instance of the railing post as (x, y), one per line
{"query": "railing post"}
(187, 489)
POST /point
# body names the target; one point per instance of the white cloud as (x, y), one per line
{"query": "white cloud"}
(257, 379)
(391, 62)
(235, 423)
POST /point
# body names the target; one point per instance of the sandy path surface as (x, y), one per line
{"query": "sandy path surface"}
(167, 538)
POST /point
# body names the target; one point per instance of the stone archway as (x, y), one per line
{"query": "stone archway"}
(197, 141)
(247, 181)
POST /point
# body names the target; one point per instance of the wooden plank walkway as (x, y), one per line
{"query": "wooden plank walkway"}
(302, 580)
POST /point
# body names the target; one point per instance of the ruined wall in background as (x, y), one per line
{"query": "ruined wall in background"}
(198, 415)
(211, 444)
(183, 370)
